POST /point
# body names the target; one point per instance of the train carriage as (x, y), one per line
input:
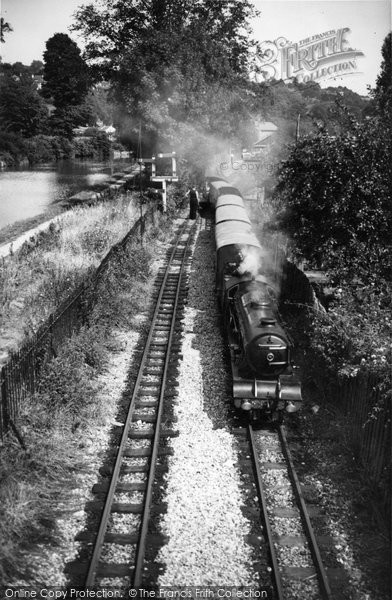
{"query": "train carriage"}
(263, 381)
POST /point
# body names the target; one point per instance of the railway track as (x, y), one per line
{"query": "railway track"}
(295, 558)
(118, 557)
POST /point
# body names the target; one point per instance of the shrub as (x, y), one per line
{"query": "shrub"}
(101, 145)
(39, 150)
(47, 148)
(83, 147)
(96, 145)
(176, 196)
(343, 182)
(69, 378)
(12, 145)
(7, 158)
(343, 343)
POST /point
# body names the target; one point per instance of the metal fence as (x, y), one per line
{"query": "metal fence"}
(19, 376)
(369, 429)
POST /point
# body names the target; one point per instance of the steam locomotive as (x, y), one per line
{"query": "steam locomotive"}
(264, 384)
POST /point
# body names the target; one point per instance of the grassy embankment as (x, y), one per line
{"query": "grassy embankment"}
(68, 402)
(51, 265)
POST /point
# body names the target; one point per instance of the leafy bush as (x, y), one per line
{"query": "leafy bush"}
(333, 202)
(343, 344)
(83, 147)
(7, 159)
(101, 144)
(12, 145)
(176, 195)
(96, 145)
(348, 342)
(40, 148)
(69, 377)
(333, 199)
(61, 146)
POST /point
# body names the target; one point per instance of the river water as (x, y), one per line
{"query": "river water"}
(26, 193)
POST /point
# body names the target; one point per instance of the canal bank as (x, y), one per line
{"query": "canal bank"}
(107, 184)
(28, 193)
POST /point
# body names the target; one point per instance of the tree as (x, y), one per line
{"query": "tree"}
(121, 26)
(383, 90)
(101, 106)
(172, 63)
(334, 200)
(36, 67)
(66, 78)
(22, 110)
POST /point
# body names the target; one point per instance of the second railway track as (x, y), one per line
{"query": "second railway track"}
(297, 564)
(117, 557)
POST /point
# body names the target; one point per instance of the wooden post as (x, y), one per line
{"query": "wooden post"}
(174, 164)
(164, 203)
(297, 128)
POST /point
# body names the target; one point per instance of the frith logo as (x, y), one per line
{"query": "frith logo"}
(322, 56)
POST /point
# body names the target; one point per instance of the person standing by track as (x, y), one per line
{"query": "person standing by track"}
(193, 195)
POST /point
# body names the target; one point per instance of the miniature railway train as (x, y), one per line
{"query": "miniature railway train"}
(264, 384)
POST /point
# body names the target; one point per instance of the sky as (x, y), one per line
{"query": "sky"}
(35, 21)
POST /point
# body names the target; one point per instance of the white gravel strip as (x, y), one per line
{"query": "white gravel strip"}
(204, 522)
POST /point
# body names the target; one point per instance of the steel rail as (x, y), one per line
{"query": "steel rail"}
(141, 547)
(99, 540)
(263, 506)
(314, 549)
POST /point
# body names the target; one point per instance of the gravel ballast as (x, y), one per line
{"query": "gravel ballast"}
(204, 522)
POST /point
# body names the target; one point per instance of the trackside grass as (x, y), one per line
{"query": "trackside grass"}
(47, 268)
(56, 424)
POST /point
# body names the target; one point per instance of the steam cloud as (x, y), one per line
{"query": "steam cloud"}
(252, 261)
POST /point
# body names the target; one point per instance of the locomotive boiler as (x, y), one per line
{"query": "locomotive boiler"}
(264, 383)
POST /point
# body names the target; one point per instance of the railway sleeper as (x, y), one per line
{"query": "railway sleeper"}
(335, 575)
(136, 486)
(107, 470)
(291, 513)
(146, 417)
(140, 403)
(171, 372)
(123, 539)
(274, 466)
(300, 540)
(140, 434)
(135, 508)
(96, 506)
(137, 452)
(113, 570)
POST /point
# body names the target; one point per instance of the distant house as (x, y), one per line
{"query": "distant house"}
(109, 130)
(265, 134)
(266, 131)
